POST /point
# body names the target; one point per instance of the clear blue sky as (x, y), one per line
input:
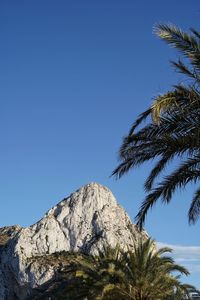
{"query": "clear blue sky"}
(74, 75)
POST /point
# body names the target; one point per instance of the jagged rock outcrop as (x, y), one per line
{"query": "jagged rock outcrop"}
(84, 221)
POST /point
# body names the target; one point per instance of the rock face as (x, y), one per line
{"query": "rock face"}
(84, 221)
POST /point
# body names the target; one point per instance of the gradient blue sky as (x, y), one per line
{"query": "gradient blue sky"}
(74, 75)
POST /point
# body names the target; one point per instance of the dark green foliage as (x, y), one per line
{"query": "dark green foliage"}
(142, 274)
(173, 131)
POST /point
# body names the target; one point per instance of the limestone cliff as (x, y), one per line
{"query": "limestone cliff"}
(83, 222)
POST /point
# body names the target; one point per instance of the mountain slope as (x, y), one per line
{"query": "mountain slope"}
(83, 222)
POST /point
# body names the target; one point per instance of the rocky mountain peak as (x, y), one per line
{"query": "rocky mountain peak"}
(92, 196)
(84, 221)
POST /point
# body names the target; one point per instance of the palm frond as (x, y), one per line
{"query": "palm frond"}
(157, 170)
(194, 210)
(172, 130)
(176, 37)
(142, 117)
(182, 68)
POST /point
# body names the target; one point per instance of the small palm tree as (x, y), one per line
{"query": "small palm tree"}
(173, 131)
(142, 274)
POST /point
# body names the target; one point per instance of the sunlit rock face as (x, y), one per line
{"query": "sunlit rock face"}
(85, 221)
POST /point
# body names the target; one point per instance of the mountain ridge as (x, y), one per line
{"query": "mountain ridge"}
(83, 222)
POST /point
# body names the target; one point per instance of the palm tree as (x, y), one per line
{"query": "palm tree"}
(172, 131)
(96, 275)
(143, 274)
